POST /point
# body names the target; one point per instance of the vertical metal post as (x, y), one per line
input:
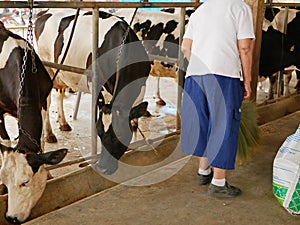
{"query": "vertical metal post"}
(77, 105)
(280, 74)
(95, 79)
(181, 71)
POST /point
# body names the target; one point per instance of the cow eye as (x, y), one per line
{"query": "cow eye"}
(25, 183)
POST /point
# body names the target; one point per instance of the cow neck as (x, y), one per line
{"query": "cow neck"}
(28, 106)
(119, 56)
(29, 111)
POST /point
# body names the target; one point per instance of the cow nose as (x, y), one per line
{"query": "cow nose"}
(13, 220)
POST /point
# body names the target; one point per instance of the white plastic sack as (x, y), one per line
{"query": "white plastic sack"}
(286, 172)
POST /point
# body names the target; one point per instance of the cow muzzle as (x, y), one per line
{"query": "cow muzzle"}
(13, 219)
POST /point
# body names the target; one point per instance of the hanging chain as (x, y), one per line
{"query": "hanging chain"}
(29, 44)
(119, 54)
(30, 39)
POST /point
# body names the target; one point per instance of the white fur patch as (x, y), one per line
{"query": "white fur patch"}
(266, 25)
(107, 120)
(24, 187)
(8, 46)
(278, 22)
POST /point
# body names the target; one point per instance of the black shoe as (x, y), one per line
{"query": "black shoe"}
(204, 179)
(225, 191)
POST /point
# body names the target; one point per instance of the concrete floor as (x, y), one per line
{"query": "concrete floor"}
(179, 200)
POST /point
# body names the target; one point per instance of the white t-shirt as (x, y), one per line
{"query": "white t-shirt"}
(215, 28)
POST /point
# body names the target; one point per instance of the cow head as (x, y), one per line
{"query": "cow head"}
(25, 177)
(115, 131)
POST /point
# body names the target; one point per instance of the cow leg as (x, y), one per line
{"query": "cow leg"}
(159, 101)
(286, 80)
(272, 81)
(63, 125)
(139, 100)
(47, 133)
(47, 129)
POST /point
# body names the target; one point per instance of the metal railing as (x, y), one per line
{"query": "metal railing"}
(95, 6)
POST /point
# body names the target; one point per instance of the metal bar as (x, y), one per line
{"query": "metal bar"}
(65, 67)
(95, 83)
(280, 74)
(71, 162)
(181, 68)
(65, 4)
(141, 143)
(86, 71)
(132, 147)
(281, 4)
(77, 105)
(163, 58)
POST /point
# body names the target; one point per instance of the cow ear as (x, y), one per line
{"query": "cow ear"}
(138, 111)
(54, 157)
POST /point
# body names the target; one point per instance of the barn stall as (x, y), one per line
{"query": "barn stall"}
(150, 151)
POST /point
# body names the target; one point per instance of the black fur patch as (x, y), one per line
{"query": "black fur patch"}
(40, 25)
(59, 42)
(102, 14)
(35, 161)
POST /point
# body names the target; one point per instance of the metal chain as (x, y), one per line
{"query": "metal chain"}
(118, 60)
(30, 39)
(119, 54)
(30, 138)
(29, 44)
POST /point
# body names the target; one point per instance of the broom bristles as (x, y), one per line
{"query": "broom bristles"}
(249, 132)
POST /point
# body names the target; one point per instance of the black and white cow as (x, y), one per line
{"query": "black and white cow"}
(22, 167)
(280, 51)
(159, 31)
(124, 83)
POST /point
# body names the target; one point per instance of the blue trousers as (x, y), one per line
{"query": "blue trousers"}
(210, 118)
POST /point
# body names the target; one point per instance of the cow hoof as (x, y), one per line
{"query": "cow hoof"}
(160, 102)
(3, 189)
(51, 139)
(65, 127)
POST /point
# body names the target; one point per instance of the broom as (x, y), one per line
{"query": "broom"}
(249, 132)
